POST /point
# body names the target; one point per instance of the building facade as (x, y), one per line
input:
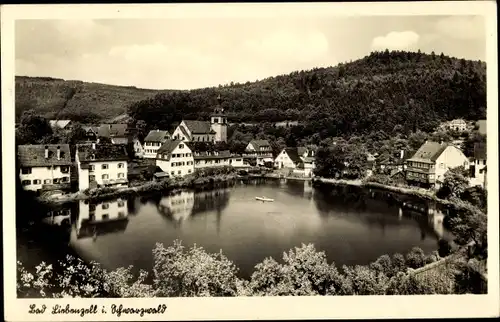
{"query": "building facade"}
(214, 130)
(478, 165)
(153, 141)
(431, 161)
(289, 158)
(175, 158)
(45, 167)
(101, 165)
(260, 151)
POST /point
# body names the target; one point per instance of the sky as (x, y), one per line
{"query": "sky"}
(192, 53)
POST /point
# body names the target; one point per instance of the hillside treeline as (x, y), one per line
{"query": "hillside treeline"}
(376, 93)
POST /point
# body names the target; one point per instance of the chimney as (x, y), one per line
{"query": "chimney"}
(58, 153)
(402, 154)
(46, 152)
(93, 146)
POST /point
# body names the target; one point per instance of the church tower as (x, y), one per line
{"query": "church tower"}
(218, 123)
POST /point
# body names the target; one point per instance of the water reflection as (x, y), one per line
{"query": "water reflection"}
(96, 219)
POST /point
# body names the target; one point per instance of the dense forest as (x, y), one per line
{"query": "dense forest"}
(74, 100)
(376, 93)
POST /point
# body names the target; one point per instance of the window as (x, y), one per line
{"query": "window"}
(56, 181)
(120, 165)
(121, 203)
(172, 172)
(105, 176)
(189, 170)
(26, 182)
(91, 178)
(49, 167)
(105, 217)
(121, 175)
(92, 207)
(484, 162)
(91, 217)
(62, 154)
(47, 181)
(441, 165)
(26, 170)
(179, 172)
(36, 181)
(64, 169)
(105, 206)
(104, 166)
(181, 146)
(91, 167)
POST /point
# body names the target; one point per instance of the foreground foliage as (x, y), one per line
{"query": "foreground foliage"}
(179, 271)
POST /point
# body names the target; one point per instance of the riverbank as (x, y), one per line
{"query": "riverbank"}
(421, 193)
(169, 185)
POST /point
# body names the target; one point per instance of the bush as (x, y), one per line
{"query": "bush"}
(444, 248)
(415, 258)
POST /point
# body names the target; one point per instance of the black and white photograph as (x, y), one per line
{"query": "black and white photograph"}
(277, 152)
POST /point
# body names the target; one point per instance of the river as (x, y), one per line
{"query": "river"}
(351, 226)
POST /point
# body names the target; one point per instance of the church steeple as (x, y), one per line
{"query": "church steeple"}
(218, 122)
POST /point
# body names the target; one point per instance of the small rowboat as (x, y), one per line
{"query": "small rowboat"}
(264, 199)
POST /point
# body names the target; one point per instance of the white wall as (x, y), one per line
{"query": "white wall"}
(138, 149)
(220, 128)
(452, 157)
(172, 166)
(42, 174)
(119, 140)
(237, 162)
(284, 161)
(150, 149)
(112, 171)
(209, 163)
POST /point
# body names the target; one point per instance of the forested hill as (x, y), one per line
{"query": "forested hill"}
(377, 92)
(77, 100)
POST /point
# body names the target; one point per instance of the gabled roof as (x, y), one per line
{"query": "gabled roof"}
(480, 151)
(157, 136)
(198, 127)
(112, 130)
(34, 155)
(185, 133)
(168, 147)
(59, 123)
(257, 144)
(293, 154)
(429, 151)
(102, 152)
(88, 128)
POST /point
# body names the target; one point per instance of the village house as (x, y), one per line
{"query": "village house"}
(91, 133)
(289, 158)
(259, 151)
(153, 141)
(431, 161)
(478, 165)
(175, 158)
(101, 165)
(137, 147)
(391, 164)
(214, 130)
(96, 219)
(117, 133)
(60, 124)
(459, 125)
(45, 167)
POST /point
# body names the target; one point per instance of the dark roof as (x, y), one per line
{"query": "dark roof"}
(293, 154)
(102, 152)
(161, 174)
(34, 155)
(482, 126)
(224, 154)
(183, 130)
(198, 127)
(260, 143)
(112, 130)
(429, 151)
(168, 147)
(480, 151)
(157, 136)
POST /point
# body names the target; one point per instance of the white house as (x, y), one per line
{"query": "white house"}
(95, 219)
(153, 141)
(214, 130)
(101, 165)
(478, 166)
(175, 158)
(209, 159)
(237, 161)
(260, 150)
(456, 125)
(431, 161)
(138, 147)
(45, 167)
(289, 158)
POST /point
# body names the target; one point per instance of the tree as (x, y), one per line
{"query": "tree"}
(33, 129)
(455, 181)
(415, 258)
